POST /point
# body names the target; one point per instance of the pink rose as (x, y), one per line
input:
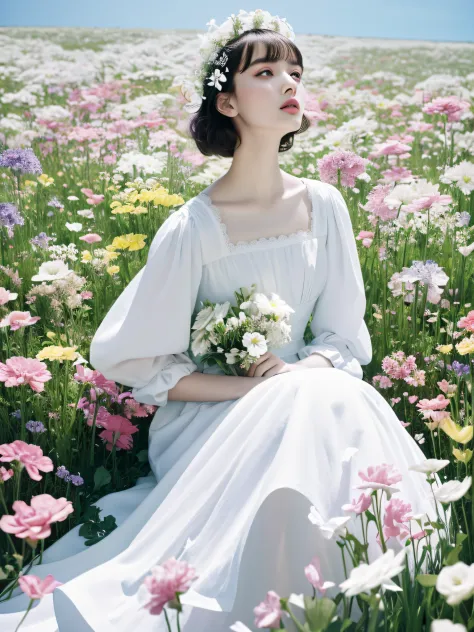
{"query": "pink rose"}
(35, 522)
(37, 588)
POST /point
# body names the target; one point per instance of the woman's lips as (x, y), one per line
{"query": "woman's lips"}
(291, 109)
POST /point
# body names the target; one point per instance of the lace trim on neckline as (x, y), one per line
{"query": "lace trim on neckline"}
(299, 235)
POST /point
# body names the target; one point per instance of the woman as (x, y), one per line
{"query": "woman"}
(237, 461)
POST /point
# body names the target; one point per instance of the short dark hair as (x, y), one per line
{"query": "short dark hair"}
(213, 132)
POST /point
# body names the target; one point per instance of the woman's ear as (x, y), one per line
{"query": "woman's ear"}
(224, 104)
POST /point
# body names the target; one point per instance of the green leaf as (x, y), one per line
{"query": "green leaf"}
(101, 477)
(142, 456)
(318, 612)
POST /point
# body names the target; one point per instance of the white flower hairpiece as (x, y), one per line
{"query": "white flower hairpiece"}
(213, 41)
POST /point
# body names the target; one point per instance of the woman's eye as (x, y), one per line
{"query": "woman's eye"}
(293, 73)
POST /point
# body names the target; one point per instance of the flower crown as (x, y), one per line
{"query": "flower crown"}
(213, 41)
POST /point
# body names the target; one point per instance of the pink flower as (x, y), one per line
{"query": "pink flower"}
(29, 455)
(37, 588)
(6, 295)
(35, 522)
(380, 477)
(396, 173)
(360, 505)
(19, 370)
(390, 148)
(367, 236)
(452, 106)
(5, 474)
(347, 162)
(18, 319)
(439, 403)
(397, 512)
(86, 294)
(165, 581)
(91, 238)
(467, 322)
(120, 429)
(313, 575)
(268, 613)
(376, 203)
(93, 198)
(427, 202)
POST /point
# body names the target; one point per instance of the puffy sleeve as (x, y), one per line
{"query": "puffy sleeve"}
(143, 340)
(338, 326)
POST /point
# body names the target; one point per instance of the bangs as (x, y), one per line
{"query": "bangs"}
(277, 47)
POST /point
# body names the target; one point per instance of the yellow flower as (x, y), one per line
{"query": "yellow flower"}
(50, 334)
(461, 434)
(444, 348)
(86, 256)
(110, 256)
(113, 270)
(464, 457)
(56, 352)
(131, 242)
(45, 180)
(466, 345)
(31, 183)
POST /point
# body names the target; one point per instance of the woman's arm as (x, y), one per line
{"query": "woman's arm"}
(206, 387)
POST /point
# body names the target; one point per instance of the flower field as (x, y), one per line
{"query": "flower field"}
(95, 155)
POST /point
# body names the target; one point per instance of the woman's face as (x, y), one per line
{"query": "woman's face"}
(260, 92)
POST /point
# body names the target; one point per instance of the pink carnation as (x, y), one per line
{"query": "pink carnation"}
(37, 588)
(29, 455)
(35, 522)
(120, 429)
(15, 320)
(166, 580)
(452, 106)
(347, 162)
(18, 370)
(467, 322)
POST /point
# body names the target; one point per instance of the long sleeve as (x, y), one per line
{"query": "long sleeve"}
(143, 340)
(338, 326)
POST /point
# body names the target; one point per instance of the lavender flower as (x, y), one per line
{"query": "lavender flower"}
(16, 414)
(459, 368)
(463, 219)
(9, 215)
(21, 161)
(76, 480)
(35, 426)
(62, 472)
(40, 240)
(55, 203)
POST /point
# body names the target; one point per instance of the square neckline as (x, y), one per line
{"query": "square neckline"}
(242, 245)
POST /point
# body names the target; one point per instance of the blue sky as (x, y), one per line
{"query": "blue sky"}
(406, 19)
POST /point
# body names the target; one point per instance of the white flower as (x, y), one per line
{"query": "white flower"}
(217, 77)
(452, 490)
(456, 582)
(233, 356)
(461, 175)
(365, 577)
(255, 343)
(466, 250)
(446, 625)
(199, 344)
(428, 466)
(73, 198)
(203, 318)
(51, 271)
(75, 227)
(388, 489)
(238, 626)
(334, 528)
(274, 305)
(86, 213)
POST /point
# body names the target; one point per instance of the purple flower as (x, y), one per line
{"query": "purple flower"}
(62, 472)
(76, 480)
(459, 368)
(16, 414)
(21, 161)
(55, 203)
(35, 426)
(9, 215)
(40, 240)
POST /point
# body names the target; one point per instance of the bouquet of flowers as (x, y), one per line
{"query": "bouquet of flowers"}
(233, 337)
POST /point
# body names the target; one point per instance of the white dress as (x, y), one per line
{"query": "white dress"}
(232, 482)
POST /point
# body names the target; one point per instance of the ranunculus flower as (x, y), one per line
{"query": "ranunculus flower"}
(15, 320)
(29, 455)
(18, 370)
(37, 588)
(35, 522)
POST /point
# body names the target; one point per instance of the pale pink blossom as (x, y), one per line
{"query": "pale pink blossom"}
(314, 576)
(86, 294)
(29, 455)
(447, 387)
(427, 201)
(34, 522)
(350, 165)
(165, 581)
(438, 403)
(377, 206)
(380, 477)
(91, 238)
(367, 237)
(268, 613)
(6, 295)
(467, 322)
(19, 370)
(396, 173)
(390, 148)
(452, 106)
(37, 588)
(93, 198)
(5, 474)
(359, 506)
(15, 320)
(397, 513)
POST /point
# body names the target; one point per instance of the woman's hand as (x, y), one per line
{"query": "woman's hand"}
(267, 365)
